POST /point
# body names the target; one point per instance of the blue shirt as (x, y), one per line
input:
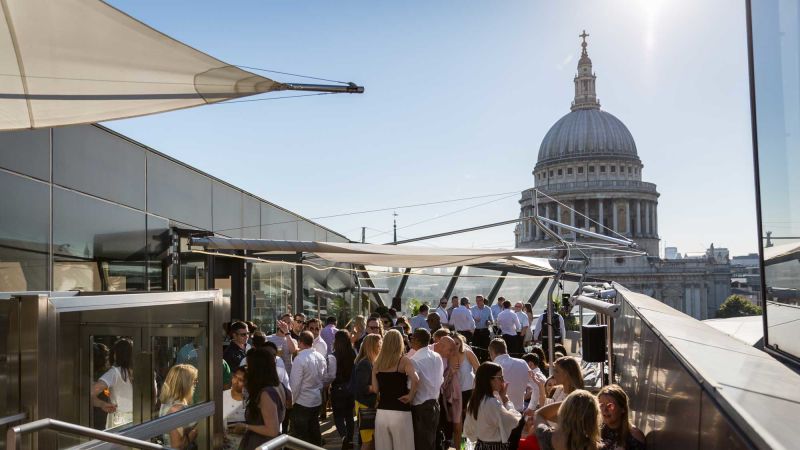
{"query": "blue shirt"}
(419, 321)
(496, 308)
(481, 316)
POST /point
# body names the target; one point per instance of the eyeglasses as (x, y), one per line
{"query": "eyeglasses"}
(243, 334)
(374, 327)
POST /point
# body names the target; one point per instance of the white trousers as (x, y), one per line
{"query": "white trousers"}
(394, 430)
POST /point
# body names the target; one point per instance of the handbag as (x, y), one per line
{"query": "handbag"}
(366, 418)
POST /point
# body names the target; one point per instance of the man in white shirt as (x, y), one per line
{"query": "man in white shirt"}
(421, 319)
(461, 319)
(509, 325)
(308, 370)
(425, 405)
(483, 320)
(525, 324)
(497, 307)
(315, 326)
(283, 341)
(515, 372)
(441, 311)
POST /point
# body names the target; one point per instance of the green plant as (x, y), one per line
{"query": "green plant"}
(737, 306)
(414, 305)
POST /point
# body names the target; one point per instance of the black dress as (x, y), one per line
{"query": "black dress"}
(610, 438)
(392, 386)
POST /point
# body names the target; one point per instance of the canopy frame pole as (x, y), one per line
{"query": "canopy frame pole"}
(496, 288)
(369, 283)
(402, 286)
(538, 291)
(451, 285)
(556, 278)
(349, 88)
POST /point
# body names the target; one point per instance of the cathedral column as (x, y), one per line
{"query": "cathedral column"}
(548, 214)
(638, 218)
(628, 220)
(647, 218)
(572, 216)
(558, 217)
(614, 218)
(586, 222)
(655, 219)
(600, 215)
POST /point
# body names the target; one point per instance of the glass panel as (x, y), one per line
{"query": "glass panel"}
(272, 294)
(193, 275)
(177, 192)
(97, 245)
(158, 256)
(24, 233)
(338, 282)
(92, 160)
(26, 152)
(169, 351)
(776, 64)
(227, 208)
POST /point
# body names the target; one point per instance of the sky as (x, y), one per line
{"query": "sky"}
(458, 98)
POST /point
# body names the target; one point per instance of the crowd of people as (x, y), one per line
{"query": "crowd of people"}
(431, 381)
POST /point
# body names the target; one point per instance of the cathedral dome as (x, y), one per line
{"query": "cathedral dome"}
(587, 133)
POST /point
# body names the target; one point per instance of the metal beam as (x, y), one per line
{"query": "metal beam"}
(403, 281)
(496, 288)
(365, 275)
(462, 230)
(349, 88)
(452, 284)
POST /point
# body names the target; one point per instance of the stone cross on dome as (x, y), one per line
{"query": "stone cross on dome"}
(584, 35)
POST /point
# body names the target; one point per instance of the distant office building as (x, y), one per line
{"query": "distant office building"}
(588, 161)
(671, 253)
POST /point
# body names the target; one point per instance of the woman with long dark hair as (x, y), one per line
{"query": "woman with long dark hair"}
(491, 416)
(618, 432)
(118, 380)
(266, 401)
(340, 368)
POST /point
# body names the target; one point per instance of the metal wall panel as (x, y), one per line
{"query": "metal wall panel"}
(178, 193)
(715, 430)
(251, 217)
(226, 210)
(94, 161)
(277, 223)
(26, 152)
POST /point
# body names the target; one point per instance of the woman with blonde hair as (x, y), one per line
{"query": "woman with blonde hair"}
(617, 431)
(360, 383)
(578, 426)
(176, 394)
(391, 374)
(568, 375)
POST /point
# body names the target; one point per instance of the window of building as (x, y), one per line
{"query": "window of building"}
(591, 169)
(569, 170)
(630, 169)
(551, 173)
(621, 169)
(602, 169)
(561, 171)
(25, 233)
(580, 169)
(613, 169)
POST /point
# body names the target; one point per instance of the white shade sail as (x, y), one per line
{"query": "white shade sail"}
(66, 62)
(373, 254)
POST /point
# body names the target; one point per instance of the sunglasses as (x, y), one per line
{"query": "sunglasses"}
(373, 327)
(243, 334)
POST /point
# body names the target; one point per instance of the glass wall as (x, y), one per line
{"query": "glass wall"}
(338, 280)
(271, 292)
(776, 92)
(24, 233)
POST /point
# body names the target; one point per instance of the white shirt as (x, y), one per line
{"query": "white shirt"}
(320, 345)
(523, 319)
(442, 315)
(430, 369)
(419, 321)
(537, 330)
(494, 423)
(305, 379)
(497, 308)
(283, 349)
(461, 319)
(508, 322)
(515, 373)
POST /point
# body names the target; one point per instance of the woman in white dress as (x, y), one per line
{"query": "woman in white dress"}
(118, 382)
(233, 407)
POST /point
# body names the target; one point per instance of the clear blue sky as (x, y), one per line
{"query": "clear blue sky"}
(458, 98)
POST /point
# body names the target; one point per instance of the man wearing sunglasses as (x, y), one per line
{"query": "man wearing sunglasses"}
(373, 327)
(235, 352)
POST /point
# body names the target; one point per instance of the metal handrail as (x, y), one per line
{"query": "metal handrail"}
(11, 419)
(14, 433)
(285, 440)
